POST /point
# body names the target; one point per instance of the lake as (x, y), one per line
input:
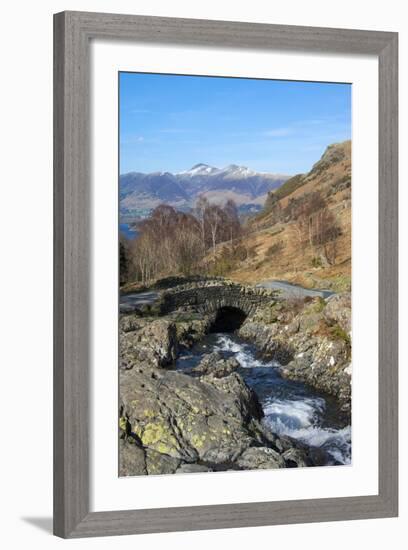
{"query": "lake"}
(127, 230)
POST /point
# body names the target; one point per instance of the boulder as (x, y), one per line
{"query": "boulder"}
(309, 321)
(210, 419)
(338, 310)
(216, 365)
(158, 463)
(132, 459)
(171, 422)
(192, 469)
(190, 331)
(146, 341)
(271, 340)
(260, 458)
(296, 458)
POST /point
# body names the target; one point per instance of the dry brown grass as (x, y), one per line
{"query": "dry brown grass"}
(298, 263)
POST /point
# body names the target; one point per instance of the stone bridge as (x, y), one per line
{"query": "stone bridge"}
(220, 297)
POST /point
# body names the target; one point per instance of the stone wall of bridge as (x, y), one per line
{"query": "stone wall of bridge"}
(209, 296)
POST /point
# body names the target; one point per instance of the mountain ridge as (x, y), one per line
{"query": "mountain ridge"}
(272, 239)
(247, 187)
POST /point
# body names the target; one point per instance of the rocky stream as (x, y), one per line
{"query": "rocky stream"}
(232, 391)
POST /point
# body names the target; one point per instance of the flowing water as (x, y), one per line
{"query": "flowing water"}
(291, 408)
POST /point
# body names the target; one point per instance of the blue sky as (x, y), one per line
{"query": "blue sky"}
(169, 122)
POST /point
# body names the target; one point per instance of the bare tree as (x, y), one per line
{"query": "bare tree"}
(124, 260)
(316, 225)
(171, 242)
(214, 218)
(232, 223)
(200, 211)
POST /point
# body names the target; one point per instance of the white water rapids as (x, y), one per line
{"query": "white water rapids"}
(290, 408)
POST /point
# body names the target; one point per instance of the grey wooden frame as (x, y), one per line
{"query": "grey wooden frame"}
(72, 34)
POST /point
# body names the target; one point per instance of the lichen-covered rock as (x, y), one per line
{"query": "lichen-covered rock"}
(171, 422)
(135, 460)
(190, 419)
(260, 458)
(309, 321)
(312, 343)
(217, 365)
(320, 362)
(269, 339)
(132, 459)
(190, 331)
(130, 323)
(147, 341)
(296, 458)
(192, 469)
(338, 310)
(158, 463)
(155, 341)
(242, 400)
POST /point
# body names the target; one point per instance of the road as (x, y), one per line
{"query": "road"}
(131, 302)
(289, 290)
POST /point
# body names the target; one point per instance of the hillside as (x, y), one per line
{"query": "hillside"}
(282, 241)
(246, 187)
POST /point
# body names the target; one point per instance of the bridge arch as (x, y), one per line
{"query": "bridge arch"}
(228, 319)
(216, 299)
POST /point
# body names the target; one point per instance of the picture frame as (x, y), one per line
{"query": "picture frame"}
(73, 32)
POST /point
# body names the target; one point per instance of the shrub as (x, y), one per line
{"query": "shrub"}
(338, 333)
(274, 249)
(320, 304)
(288, 187)
(239, 253)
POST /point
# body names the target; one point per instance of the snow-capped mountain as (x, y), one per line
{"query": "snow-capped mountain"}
(247, 187)
(231, 171)
(198, 170)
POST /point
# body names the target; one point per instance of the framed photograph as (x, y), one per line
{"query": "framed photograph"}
(225, 288)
